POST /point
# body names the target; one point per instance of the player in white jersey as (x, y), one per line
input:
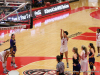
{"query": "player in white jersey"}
(3, 58)
(98, 41)
(64, 48)
(84, 61)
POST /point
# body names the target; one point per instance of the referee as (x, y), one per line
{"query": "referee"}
(60, 66)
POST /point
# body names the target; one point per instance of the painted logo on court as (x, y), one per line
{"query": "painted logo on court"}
(41, 72)
(89, 36)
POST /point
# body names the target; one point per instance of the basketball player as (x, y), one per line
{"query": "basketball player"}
(64, 48)
(13, 44)
(60, 66)
(91, 57)
(98, 41)
(84, 61)
(3, 58)
(76, 64)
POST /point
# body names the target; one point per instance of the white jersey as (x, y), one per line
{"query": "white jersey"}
(3, 53)
(97, 36)
(84, 56)
(64, 42)
(84, 63)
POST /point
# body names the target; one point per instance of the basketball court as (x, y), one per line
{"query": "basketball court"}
(37, 47)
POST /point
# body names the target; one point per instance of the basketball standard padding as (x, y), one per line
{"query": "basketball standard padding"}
(31, 22)
(13, 72)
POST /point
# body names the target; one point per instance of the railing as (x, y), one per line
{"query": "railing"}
(21, 6)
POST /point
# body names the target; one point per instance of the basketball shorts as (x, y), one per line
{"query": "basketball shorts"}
(91, 61)
(63, 49)
(77, 69)
(98, 43)
(84, 65)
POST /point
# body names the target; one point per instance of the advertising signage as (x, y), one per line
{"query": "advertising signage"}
(50, 10)
(40, 12)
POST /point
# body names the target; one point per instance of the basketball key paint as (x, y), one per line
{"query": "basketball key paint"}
(22, 61)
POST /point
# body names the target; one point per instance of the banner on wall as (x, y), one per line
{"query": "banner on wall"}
(40, 12)
(50, 10)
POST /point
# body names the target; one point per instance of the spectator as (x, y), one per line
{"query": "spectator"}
(37, 3)
(13, 8)
(42, 2)
(2, 15)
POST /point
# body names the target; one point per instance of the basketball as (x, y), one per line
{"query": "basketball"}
(48, 4)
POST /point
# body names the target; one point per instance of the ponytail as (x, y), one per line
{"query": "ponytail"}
(8, 48)
(85, 49)
(76, 51)
(92, 46)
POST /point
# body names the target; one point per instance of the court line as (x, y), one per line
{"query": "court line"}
(34, 64)
(47, 66)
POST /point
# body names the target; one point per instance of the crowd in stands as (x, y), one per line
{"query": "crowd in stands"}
(2, 14)
(39, 3)
(35, 3)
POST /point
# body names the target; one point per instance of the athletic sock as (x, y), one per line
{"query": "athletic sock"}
(4, 69)
(5, 63)
(14, 64)
(67, 65)
(4, 66)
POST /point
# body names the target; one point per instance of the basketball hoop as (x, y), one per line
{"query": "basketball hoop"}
(13, 72)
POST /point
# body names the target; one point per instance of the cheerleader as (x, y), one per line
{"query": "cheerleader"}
(13, 44)
(3, 58)
(76, 64)
(84, 61)
(91, 57)
(64, 48)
